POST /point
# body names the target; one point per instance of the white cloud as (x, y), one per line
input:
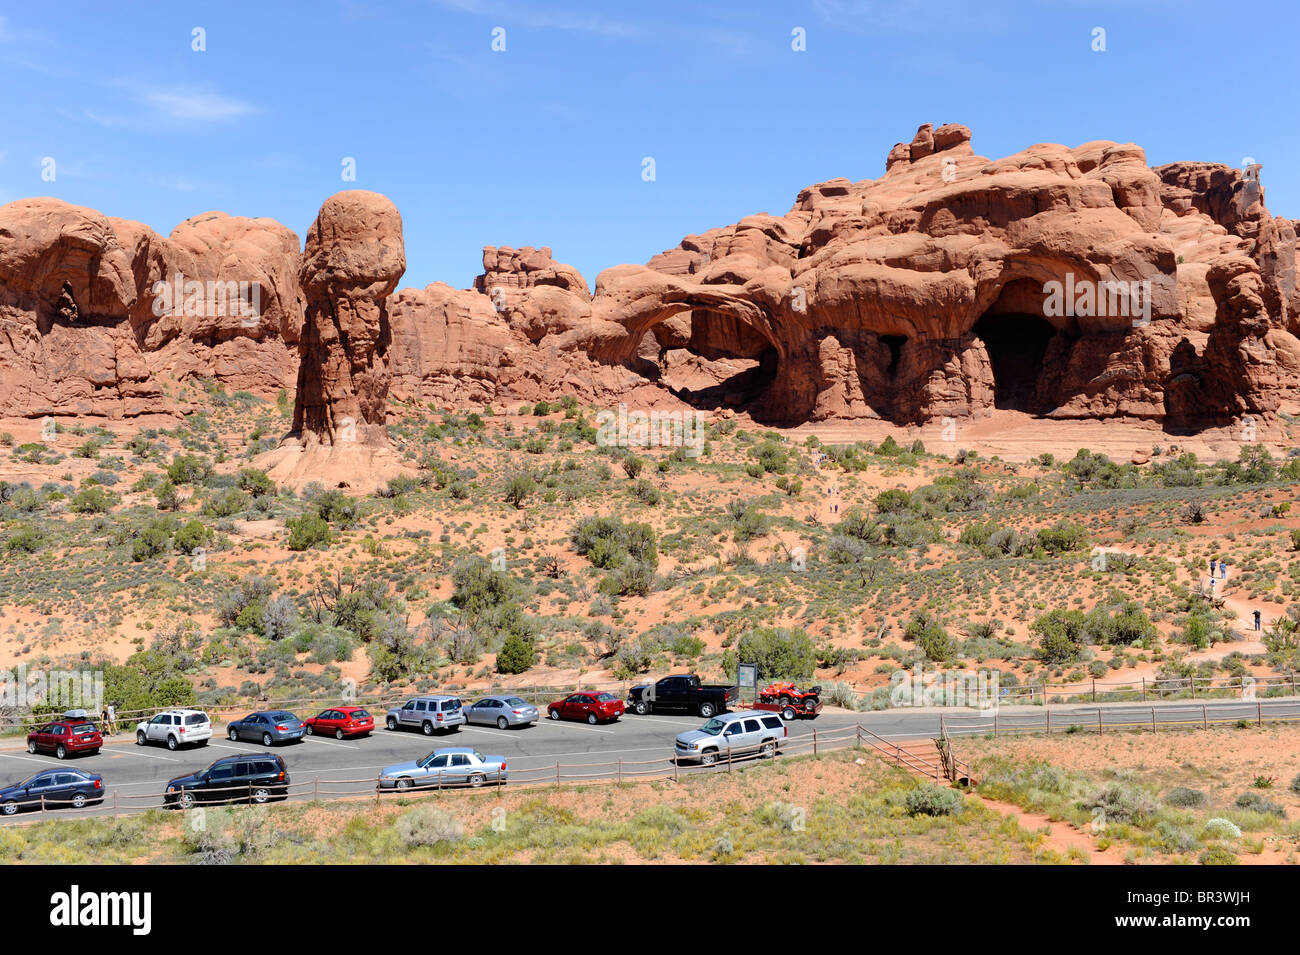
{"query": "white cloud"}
(197, 106)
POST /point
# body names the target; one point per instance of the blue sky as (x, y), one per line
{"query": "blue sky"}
(542, 144)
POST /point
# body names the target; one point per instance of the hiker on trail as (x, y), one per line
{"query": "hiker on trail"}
(1213, 563)
(1223, 570)
(103, 719)
(1211, 586)
(112, 719)
(1257, 621)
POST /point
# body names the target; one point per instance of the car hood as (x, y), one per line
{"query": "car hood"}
(10, 791)
(188, 781)
(401, 768)
(695, 736)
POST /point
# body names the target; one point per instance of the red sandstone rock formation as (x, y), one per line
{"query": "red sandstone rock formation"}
(947, 287)
(353, 259)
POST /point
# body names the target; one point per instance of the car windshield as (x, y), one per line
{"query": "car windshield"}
(281, 716)
(194, 719)
(606, 697)
(84, 728)
(359, 714)
(515, 701)
(713, 727)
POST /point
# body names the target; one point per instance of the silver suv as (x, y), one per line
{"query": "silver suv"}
(738, 734)
(428, 714)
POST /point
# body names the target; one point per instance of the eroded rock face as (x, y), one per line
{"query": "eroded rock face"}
(98, 313)
(1061, 282)
(351, 263)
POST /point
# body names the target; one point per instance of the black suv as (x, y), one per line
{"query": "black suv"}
(253, 778)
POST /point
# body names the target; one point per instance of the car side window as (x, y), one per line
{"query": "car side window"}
(223, 771)
(772, 722)
(157, 719)
(731, 730)
(751, 726)
(439, 762)
(459, 759)
(410, 705)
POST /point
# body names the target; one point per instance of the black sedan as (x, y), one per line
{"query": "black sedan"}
(55, 789)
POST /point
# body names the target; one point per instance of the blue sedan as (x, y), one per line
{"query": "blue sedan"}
(268, 727)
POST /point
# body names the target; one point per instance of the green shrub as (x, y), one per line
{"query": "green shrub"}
(307, 531)
(928, 799)
(429, 826)
(930, 636)
(1185, 798)
(516, 655)
(1219, 828)
(1258, 802)
(780, 654)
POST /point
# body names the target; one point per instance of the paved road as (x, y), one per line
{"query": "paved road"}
(135, 776)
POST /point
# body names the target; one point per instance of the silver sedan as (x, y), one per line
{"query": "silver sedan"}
(453, 766)
(502, 712)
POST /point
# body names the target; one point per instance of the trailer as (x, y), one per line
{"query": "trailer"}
(790, 701)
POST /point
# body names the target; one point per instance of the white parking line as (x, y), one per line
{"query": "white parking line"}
(139, 751)
(330, 742)
(30, 759)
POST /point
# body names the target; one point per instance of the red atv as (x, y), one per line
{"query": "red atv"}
(789, 696)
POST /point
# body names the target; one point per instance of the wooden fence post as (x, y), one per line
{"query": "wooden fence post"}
(1205, 719)
(1099, 721)
(1144, 689)
(1153, 719)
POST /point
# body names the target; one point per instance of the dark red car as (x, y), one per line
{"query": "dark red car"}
(65, 738)
(594, 707)
(341, 722)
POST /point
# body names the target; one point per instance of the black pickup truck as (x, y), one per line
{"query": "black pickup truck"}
(681, 693)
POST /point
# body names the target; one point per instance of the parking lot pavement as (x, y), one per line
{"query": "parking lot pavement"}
(633, 744)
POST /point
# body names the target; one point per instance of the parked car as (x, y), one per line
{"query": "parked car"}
(452, 766)
(267, 727)
(427, 714)
(251, 777)
(502, 712)
(175, 728)
(737, 734)
(681, 692)
(60, 789)
(65, 738)
(594, 707)
(340, 722)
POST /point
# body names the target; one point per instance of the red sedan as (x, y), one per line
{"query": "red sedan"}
(592, 707)
(341, 721)
(65, 738)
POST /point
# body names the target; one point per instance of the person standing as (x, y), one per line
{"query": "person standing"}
(103, 722)
(1257, 621)
(1213, 563)
(112, 719)
(1223, 570)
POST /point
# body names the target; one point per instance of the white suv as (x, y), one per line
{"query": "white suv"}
(175, 728)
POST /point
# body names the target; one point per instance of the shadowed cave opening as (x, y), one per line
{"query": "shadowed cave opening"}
(1016, 344)
(712, 360)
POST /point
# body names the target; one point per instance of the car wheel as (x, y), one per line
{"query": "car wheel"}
(79, 801)
(810, 704)
(139, 738)
(403, 783)
(553, 714)
(185, 800)
(233, 734)
(502, 723)
(641, 707)
(709, 758)
(338, 733)
(427, 728)
(477, 780)
(309, 731)
(392, 722)
(266, 739)
(593, 719)
(785, 698)
(707, 710)
(9, 808)
(768, 750)
(31, 746)
(172, 743)
(261, 795)
(61, 751)
(788, 714)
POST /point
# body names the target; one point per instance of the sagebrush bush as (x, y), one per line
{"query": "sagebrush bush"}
(1123, 803)
(1258, 802)
(1185, 798)
(931, 800)
(429, 826)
